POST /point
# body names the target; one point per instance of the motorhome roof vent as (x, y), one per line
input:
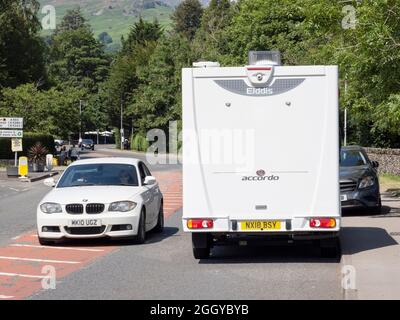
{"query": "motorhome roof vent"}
(206, 64)
(264, 58)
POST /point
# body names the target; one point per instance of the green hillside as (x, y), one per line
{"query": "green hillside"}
(115, 16)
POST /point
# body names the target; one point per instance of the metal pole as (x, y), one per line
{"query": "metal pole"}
(16, 159)
(80, 120)
(122, 125)
(345, 112)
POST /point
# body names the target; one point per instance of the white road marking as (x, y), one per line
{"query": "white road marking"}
(57, 248)
(16, 238)
(38, 260)
(6, 297)
(7, 274)
(13, 189)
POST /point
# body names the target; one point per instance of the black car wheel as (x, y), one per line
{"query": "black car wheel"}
(378, 208)
(160, 221)
(201, 244)
(331, 248)
(141, 235)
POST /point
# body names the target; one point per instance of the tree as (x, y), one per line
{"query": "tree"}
(368, 55)
(53, 111)
(187, 18)
(140, 33)
(105, 38)
(210, 41)
(72, 20)
(136, 52)
(157, 100)
(21, 49)
(266, 25)
(76, 58)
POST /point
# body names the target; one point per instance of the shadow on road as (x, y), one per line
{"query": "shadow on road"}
(359, 239)
(296, 253)
(104, 242)
(385, 211)
(158, 237)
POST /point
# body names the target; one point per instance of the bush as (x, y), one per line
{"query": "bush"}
(29, 140)
(117, 136)
(139, 142)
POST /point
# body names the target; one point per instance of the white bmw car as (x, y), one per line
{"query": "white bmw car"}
(103, 197)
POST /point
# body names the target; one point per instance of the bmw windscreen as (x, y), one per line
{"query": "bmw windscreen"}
(99, 175)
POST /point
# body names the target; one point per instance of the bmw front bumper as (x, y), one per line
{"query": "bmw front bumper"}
(110, 223)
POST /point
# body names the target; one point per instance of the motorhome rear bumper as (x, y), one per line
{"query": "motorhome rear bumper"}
(204, 240)
(297, 226)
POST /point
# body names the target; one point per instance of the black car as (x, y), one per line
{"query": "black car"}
(87, 144)
(359, 183)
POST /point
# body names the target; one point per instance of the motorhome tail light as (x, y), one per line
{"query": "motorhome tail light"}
(259, 68)
(324, 223)
(200, 223)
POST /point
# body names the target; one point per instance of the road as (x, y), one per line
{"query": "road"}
(163, 268)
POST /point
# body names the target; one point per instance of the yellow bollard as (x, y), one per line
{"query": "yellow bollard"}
(23, 166)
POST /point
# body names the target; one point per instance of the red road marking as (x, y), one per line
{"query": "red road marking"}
(20, 278)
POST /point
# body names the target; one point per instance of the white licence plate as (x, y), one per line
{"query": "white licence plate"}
(343, 197)
(84, 223)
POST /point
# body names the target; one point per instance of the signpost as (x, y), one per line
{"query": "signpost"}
(12, 128)
(16, 145)
(11, 123)
(11, 133)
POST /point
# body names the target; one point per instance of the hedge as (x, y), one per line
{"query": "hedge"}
(139, 143)
(28, 141)
(117, 136)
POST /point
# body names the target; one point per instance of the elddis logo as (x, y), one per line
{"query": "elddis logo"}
(260, 176)
(259, 91)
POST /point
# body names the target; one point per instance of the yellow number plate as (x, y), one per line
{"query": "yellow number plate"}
(260, 225)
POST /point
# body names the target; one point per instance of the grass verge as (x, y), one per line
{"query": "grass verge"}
(389, 182)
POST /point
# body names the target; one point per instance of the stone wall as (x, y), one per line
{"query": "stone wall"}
(389, 159)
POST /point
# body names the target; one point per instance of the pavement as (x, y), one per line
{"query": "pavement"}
(372, 253)
(32, 176)
(164, 268)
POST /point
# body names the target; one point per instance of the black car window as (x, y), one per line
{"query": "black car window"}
(142, 172)
(352, 158)
(147, 171)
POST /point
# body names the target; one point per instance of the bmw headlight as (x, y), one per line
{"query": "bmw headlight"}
(366, 182)
(50, 207)
(122, 206)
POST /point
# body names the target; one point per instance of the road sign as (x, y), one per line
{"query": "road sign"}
(11, 123)
(11, 133)
(16, 145)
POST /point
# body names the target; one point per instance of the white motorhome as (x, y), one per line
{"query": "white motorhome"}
(261, 154)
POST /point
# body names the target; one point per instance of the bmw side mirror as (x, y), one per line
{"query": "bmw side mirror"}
(50, 182)
(375, 164)
(149, 180)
